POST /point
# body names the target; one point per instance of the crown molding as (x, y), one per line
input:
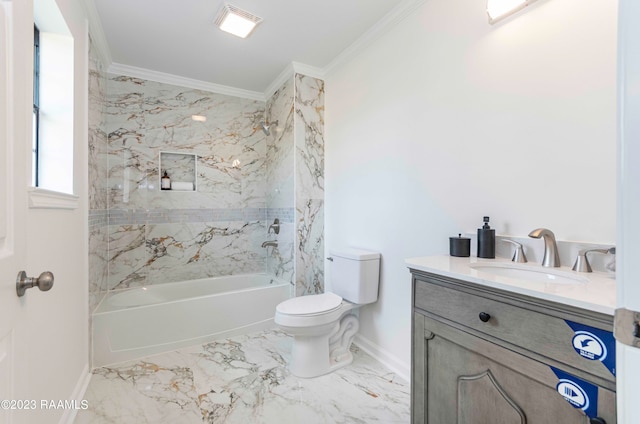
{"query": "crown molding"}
(390, 20)
(275, 85)
(97, 33)
(288, 72)
(148, 74)
(308, 70)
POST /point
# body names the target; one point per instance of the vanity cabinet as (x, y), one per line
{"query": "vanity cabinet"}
(482, 355)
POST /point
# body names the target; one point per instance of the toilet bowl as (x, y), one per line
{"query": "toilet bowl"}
(323, 330)
(323, 326)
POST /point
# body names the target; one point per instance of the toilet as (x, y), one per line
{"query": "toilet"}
(323, 325)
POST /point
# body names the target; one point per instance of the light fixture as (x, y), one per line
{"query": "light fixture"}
(236, 21)
(199, 118)
(500, 9)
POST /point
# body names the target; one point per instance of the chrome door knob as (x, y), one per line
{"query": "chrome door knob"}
(44, 282)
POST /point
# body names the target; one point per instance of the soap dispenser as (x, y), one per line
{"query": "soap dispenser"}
(486, 240)
(165, 183)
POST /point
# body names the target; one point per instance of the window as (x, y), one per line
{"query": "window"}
(36, 104)
(53, 100)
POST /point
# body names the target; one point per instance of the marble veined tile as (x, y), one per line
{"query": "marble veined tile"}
(243, 380)
(310, 244)
(98, 263)
(129, 177)
(147, 117)
(124, 112)
(177, 252)
(280, 148)
(127, 256)
(309, 137)
(280, 261)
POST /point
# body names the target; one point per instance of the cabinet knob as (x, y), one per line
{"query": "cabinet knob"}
(597, 420)
(484, 317)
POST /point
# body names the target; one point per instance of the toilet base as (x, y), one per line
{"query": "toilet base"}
(325, 350)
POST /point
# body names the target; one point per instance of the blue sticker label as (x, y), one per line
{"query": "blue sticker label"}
(589, 346)
(594, 344)
(579, 393)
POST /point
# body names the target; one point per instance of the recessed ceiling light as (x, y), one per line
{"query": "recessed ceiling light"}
(199, 118)
(236, 21)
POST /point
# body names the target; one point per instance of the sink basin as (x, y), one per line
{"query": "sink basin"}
(530, 273)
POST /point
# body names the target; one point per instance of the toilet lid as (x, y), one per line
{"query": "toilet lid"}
(312, 304)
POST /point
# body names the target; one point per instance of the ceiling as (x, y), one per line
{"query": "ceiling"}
(179, 37)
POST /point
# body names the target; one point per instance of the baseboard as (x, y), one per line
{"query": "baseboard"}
(77, 396)
(399, 367)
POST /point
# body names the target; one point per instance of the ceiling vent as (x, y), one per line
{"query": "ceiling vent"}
(236, 21)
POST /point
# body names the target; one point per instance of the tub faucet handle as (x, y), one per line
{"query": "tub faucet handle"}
(518, 253)
(275, 227)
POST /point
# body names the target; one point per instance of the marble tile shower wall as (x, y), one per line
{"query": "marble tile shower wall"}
(295, 179)
(97, 160)
(280, 181)
(159, 236)
(309, 184)
(141, 235)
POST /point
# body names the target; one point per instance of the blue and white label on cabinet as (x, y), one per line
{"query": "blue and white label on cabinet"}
(594, 344)
(579, 393)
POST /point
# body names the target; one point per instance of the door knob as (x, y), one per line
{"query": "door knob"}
(44, 282)
(484, 317)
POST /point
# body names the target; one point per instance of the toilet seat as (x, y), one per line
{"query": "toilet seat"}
(310, 305)
(309, 311)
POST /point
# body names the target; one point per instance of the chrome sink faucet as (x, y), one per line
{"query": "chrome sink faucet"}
(551, 258)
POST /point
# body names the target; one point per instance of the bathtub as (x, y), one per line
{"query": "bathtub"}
(133, 323)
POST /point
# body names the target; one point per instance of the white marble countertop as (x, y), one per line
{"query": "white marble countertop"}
(596, 293)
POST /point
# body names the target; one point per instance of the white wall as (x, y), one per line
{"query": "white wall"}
(446, 118)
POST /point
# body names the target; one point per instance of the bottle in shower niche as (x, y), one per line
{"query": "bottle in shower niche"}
(165, 182)
(486, 240)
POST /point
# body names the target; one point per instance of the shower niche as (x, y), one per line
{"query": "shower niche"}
(177, 171)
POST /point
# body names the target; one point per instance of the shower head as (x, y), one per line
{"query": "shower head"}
(267, 127)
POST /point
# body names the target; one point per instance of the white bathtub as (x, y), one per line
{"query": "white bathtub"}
(133, 323)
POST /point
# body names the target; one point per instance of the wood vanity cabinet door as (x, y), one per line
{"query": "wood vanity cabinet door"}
(468, 380)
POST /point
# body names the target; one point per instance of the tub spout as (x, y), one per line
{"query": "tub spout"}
(273, 243)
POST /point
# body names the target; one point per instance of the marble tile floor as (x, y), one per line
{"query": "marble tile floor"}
(242, 380)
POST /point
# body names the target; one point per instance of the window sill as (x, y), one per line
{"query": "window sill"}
(46, 199)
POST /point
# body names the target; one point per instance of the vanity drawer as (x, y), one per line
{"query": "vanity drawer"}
(534, 331)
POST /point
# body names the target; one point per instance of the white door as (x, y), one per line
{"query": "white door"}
(628, 273)
(13, 183)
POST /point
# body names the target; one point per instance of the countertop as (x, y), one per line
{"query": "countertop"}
(597, 294)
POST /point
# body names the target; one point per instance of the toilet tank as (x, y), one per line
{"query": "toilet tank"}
(355, 275)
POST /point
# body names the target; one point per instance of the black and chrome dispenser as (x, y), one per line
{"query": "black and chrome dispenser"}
(486, 240)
